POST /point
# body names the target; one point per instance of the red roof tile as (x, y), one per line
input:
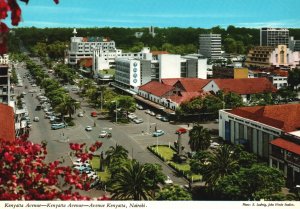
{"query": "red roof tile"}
(287, 145)
(156, 88)
(246, 85)
(169, 81)
(7, 123)
(285, 117)
(187, 96)
(193, 84)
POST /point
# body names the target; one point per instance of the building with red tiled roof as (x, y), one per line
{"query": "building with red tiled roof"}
(7, 123)
(155, 53)
(155, 88)
(258, 127)
(243, 86)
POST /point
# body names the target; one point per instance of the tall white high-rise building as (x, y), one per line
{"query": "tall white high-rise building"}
(210, 45)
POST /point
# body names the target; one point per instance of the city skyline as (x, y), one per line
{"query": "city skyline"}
(167, 13)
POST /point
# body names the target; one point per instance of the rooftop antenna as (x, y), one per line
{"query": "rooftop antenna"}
(74, 32)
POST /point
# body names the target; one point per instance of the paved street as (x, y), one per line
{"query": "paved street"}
(134, 137)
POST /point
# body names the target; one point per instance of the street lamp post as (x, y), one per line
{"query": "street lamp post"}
(116, 110)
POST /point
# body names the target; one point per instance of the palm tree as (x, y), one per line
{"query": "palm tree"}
(199, 138)
(115, 153)
(130, 183)
(68, 106)
(220, 163)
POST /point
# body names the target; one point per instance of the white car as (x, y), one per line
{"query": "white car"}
(214, 145)
(138, 120)
(158, 116)
(103, 134)
(169, 180)
(80, 114)
(152, 113)
(33, 85)
(36, 119)
(132, 116)
(148, 111)
(88, 128)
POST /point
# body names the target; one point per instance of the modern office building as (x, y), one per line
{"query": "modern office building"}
(294, 45)
(159, 67)
(5, 88)
(210, 45)
(274, 37)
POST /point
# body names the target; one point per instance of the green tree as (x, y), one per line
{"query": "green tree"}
(115, 153)
(130, 183)
(68, 106)
(294, 78)
(220, 163)
(255, 183)
(199, 138)
(173, 192)
(230, 45)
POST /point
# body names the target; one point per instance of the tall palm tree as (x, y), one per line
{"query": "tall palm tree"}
(220, 163)
(130, 183)
(115, 153)
(199, 138)
(68, 106)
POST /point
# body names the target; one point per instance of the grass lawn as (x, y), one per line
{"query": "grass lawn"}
(167, 154)
(164, 151)
(109, 71)
(95, 163)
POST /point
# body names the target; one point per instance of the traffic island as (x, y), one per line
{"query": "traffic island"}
(166, 154)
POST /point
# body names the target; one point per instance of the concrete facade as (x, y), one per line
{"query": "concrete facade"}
(274, 36)
(210, 45)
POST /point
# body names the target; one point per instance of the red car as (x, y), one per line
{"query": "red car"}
(181, 131)
(94, 114)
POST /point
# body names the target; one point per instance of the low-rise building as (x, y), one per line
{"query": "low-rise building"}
(270, 56)
(270, 132)
(243, 86)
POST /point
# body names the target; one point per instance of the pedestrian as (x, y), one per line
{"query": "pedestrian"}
(188, 125)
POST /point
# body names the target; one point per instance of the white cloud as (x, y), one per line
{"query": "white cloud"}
(285, 23)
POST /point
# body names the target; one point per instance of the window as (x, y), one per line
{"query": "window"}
(281, 56)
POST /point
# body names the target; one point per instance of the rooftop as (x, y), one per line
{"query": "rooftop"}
(246, 85)
(287, 145)
(156, 88)
(284, 117)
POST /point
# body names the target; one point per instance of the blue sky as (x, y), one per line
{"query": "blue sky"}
(161, 13)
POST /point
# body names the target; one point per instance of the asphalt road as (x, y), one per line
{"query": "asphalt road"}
(134, 137)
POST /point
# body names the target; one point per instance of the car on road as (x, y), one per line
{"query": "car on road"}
(103, 134)
(140, 107)
(168, 180)
(33, 85)
(88, 128)
(80, 114)
(158, 116)
(23, 93)
(138, 120)
(36, 119)
(32, 91)
(57, 126)
(181, 131)
(165, 119)
(94, 114)
(158, 133)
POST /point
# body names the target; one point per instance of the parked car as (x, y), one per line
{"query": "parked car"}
(58, 126)
(158, 133)
(152, 113)
(103, 134)
(214, 145)
(181, 131)
(132, 116)
(138, 120)
(33, 85)
(164, 119)
(88, 128)
(80, 114)
(140, 107)
(168, 180)
(94, 114)
(36, 119)
(148, 111)
(158, 116)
